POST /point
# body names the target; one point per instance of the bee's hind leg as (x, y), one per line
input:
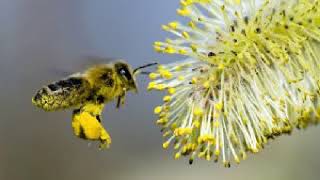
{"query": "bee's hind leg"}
(88, 127)
(76, 125)
(105, 139)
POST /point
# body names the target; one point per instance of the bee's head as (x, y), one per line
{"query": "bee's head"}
(124, 71)
(128, 75)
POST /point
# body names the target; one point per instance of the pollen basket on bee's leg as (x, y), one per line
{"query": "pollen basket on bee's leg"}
(87, 125)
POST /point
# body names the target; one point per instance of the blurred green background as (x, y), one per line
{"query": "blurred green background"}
(40, 37)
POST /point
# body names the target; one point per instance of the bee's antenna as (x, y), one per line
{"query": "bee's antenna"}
(145, 72)
(144, 66)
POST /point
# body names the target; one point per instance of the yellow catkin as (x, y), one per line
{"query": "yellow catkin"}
(257, 76)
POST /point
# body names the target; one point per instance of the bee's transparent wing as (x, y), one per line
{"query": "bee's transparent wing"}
(81, 65)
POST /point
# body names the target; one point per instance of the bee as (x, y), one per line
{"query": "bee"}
(87, 93)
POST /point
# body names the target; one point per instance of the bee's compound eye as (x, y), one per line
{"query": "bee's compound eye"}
(123, 72)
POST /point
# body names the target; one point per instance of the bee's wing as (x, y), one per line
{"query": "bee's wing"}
(90, 60)
(81, 64)
(67, 93)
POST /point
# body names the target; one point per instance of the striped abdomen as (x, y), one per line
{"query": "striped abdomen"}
(67, 93)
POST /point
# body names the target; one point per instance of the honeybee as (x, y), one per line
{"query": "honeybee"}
(87, 93)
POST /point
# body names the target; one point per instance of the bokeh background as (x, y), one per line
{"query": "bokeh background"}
(39, 38)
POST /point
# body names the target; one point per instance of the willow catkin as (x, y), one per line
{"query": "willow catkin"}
(251, 73)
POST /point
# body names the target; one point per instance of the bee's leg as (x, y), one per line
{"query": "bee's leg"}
(105, 139)
(98, 117)
(76, 126)
(118, 102)
(87, 125)
(121, 100)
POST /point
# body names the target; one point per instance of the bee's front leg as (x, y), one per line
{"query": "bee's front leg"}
(121, 99)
